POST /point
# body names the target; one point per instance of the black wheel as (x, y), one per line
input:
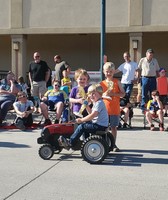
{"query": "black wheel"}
(46, 152)
(110, 141)
(94, 149)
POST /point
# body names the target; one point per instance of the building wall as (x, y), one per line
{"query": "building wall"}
(4, 14)
(72, 29)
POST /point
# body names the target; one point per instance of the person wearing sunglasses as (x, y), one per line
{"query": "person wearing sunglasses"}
(24, 109)
(53, 100)
(39, 74)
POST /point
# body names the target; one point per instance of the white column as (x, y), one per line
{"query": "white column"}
(135, 47)
(18, 55)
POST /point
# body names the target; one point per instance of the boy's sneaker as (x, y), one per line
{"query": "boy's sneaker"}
(56, 121)
(165, 115)
(161, 128)
(119, 126)
(152, 127)
(47, 122)
(64, 142)
(116, 149)
(19, 124)
(124, 125)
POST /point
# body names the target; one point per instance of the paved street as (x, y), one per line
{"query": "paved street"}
(138, 172)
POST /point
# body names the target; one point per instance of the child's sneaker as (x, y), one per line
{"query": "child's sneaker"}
(47, 122)
(125, 125)
(152, 127)
(19, 124)
(56, 121)
(161, 128)
(116, 149)
(165, 115)
(65, 142)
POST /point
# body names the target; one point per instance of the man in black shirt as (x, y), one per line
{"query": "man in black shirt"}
(39, 74)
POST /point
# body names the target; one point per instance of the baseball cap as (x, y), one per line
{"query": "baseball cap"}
(150, 50)
(162, 69)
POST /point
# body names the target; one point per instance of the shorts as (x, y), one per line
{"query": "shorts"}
(38, 88)
(51, 105)
(114, 120)
(164, 99)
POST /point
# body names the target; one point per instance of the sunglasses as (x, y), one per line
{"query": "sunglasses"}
(22, 96)
(37, 56)
(57, 85)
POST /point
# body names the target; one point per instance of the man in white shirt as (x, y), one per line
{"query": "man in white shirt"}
(129, 73)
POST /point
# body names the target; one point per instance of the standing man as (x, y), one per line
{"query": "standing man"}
(128, 69)
(60, 66)
(149, 68)
(39, 74)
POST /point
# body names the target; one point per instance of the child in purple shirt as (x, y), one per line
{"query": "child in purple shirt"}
(78, 93)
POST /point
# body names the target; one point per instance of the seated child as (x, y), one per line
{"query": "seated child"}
(97, 119)
(66, 81)
(155, 109)
(23, 85)
(53, 100)
(78, 93)
(24, 109)
(124, 109)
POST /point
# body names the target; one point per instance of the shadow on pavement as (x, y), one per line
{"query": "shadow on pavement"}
(13, 145)
(135, 160)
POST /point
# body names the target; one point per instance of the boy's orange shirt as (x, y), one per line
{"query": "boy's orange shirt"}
(112, 106)
(162, 85)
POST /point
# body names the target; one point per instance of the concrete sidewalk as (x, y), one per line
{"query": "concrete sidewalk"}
(138, 172)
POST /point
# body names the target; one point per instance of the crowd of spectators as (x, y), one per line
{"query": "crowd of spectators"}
(47, 92)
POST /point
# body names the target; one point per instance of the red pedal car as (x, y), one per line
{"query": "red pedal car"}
(94, 148)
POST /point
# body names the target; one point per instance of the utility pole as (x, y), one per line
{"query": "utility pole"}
(103, 30)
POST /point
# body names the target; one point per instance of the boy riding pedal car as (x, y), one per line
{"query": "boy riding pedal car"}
(97, 119)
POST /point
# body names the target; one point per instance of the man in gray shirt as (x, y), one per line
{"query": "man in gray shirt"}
(60, 66)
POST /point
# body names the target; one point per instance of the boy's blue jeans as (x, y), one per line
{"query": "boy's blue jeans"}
(85, 128)
(128, 89)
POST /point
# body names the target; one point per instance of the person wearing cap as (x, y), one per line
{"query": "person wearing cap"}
(148, 67)
(60, 66)
(162, 87)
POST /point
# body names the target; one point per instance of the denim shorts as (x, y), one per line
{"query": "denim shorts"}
(114, 120)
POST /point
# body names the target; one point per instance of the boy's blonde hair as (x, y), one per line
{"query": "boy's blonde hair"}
(108, 65)
(95, 88)
(80, 72)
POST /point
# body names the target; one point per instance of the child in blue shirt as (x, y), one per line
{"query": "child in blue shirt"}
(97, 119)
(155, 109)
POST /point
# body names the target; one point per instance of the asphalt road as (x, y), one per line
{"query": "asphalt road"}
(138, 172)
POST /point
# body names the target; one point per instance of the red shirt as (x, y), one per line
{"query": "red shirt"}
(162, 85)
